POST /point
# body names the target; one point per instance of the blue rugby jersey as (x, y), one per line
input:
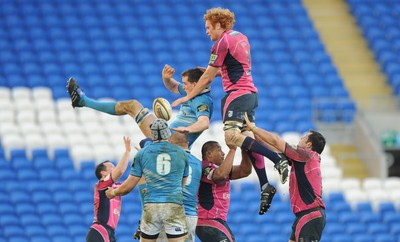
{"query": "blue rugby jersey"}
(201, 105)
(163, 165)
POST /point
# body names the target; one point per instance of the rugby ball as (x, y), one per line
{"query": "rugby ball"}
(162, 108)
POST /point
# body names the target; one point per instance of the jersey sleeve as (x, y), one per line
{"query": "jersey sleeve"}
(297, 153)
(218, 53)
(181, 90)
(136, 168)
(202, 106)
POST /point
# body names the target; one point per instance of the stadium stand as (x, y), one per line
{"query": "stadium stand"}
(49, 150)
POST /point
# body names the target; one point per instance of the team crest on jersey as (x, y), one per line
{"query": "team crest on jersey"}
(213, 58)
(207, 171)
(230, 114)
(202, 108)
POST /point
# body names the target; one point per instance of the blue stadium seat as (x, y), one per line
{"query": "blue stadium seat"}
(47, 208)
(377, 228)
(40, 238)
(23, 208)
(49, 173)
(29, 219)
(363, 237)
(35, 230)
(385, 238)
(354, 228)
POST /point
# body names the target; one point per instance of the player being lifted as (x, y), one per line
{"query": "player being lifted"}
(230, 56)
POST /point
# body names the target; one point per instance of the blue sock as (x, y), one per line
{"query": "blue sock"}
(105, 107)
(253, 145)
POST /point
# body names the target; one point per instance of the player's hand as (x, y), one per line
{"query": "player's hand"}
(167, 72)
(179, 101)
(250, 126)
(127, 142)
(110, 193)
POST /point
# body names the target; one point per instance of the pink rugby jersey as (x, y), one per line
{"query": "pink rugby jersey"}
(213, 197)
(305, 182)
(232, 54)
(106, 211)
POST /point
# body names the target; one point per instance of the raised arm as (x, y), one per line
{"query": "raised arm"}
(169, 81)
(272, 139)
(123, 163)
(223, 171)
(202, 123)
(244, 169)
(125, 188)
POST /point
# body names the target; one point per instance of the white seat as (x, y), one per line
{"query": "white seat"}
(29, 128)
(95, 139)
(46, 115)
(93, 128)
(12, 141)
(75, 139)
(119, 150)
(34, 141)
(7, 116)
(51, 127)
(24, 116)
(81, 153)
(327, 150)
(21, 93)
(71, 128)
(104, 152)
(88, 115)
(114, 128)
(55, 141)
(350, 183)
(330, 184)
(291, 137)
(45, 104)
(6, 104)
(328, 161)
(64, 104)
(67, 116)
(216, 128)
(9, 128)
(332, 172)
(108, 118)
(376, 196)
(24, 104)
(354, 196)
(5, 93)
(391, 183)
(39, 93)
(372, 183)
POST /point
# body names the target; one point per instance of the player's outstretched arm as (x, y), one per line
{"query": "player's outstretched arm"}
(244, 168)
(223, 171)
(169, 81)
(125, 188)
(203, 123)
(123, 163)
(272, 139)
(204, 81)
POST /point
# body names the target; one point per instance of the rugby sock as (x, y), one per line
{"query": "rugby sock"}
(255, 146)
(105, 107)
(257, 161)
